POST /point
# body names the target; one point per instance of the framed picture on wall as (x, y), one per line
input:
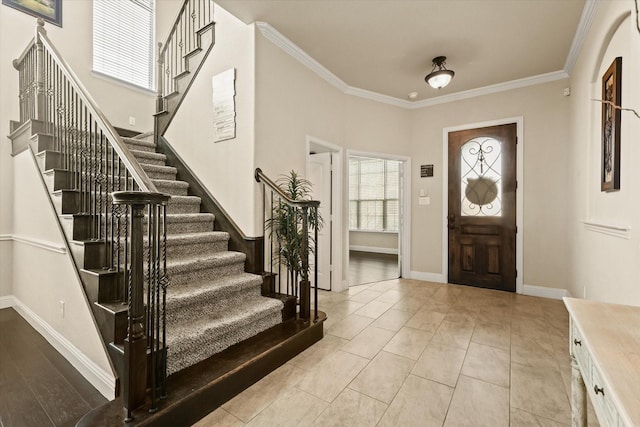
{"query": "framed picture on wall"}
(49, 10)
(611, 95)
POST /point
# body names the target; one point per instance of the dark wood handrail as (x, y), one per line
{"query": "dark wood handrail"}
(132, 165)
(260, 176)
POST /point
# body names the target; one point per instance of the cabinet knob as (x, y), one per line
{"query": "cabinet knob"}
(597, 389)
(577, 342)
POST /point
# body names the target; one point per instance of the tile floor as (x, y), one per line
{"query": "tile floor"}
(411, 353)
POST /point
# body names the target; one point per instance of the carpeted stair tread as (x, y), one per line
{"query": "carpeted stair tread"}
(219, 259)
(172, 187)
(140, 144)
(206, 237)
(193, 217)
(157, 168)
(147, 136)
(213, 289)
(149, 158)
(202, 337)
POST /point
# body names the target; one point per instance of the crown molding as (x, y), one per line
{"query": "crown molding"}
(277, 38)
(486, 90)
(588, 12)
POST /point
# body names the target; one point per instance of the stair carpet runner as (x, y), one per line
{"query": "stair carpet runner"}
(211, 302)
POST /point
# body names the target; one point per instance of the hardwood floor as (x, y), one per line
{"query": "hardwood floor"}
(368, 267)
(38, 387)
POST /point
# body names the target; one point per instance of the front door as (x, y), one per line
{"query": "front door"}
(482, 207)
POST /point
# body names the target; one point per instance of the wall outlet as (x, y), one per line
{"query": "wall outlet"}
(62, 309)
(132, 120)
(424, 200)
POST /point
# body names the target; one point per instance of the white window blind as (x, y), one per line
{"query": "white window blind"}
(123, 40)
(374, 188)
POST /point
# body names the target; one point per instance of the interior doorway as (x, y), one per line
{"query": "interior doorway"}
(376, 217)
(324, 172)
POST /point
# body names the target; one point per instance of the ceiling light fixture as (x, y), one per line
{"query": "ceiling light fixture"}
(442, 77)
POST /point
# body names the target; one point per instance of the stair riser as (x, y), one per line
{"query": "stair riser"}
(147, 160)
(189, 227)
(183, 208)
(103, 287)
(139, 147)
(184, 277)
(214, 306)
(66, 202)
(172, 190)
(49, 160)
(89, 254)
(160, 175)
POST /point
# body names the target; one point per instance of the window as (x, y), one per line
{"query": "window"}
(123, 40)
(374, 189)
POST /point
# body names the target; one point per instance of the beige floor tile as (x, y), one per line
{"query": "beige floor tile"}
(408, 304)
(219, 418)
(368, 342)
(524, 419)
(437, 305)
(530, 327)
(392, 320)
(454, 334)
(383, 377)
(440, 363)
(409, 342)
(342, 309)
(365, 296)
(492, 334)
(426, 320)
(532, 352)
(477, 403)
(540, 391)
(295, 408)
(351, 409)
(391, 296)
(350, 326)
(327, 379)
(461, 316)
(250, 402)
(374, 309)
(488, 364)
(410, 408)
(383, 286)
(317, 352)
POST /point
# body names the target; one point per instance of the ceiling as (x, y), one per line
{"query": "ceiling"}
(386, 46)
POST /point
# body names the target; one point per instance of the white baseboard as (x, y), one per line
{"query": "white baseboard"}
(373, 249)
(102, 380)
(428, 277)
(7, 301)
(542, 291)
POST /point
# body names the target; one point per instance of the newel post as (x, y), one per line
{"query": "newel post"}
(40, 96)
(305, 294)
(135, 344)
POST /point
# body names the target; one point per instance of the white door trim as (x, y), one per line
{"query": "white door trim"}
(338, 281)
(519, 121)
(404, 247)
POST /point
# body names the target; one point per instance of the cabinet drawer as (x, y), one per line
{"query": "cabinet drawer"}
(579, 350)
(601, 400)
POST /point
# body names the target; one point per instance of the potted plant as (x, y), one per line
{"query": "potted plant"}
(286, 226)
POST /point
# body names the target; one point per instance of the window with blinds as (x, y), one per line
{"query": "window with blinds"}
(123, 40)
(374, 191)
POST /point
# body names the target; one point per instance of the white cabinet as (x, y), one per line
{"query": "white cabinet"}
(604, 342)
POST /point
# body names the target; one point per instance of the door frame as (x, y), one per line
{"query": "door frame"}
(338, 283)
(519, 121)
(404, 234)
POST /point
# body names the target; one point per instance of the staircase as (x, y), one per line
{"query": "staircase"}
(211, 302)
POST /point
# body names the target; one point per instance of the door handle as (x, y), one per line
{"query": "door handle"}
(451, 223)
